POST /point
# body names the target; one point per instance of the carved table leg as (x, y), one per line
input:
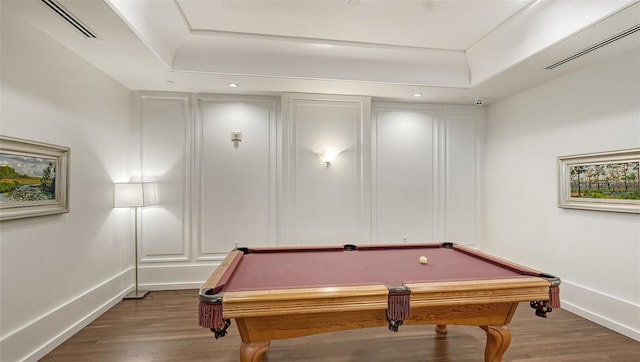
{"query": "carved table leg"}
(498, 340)
(252, 352)
(441, 329)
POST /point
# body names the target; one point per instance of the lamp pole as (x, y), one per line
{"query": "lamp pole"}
(136, 195)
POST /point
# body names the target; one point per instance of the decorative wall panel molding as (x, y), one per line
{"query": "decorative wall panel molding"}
(325, 205)
(165, 129)
(405, 173)
(235, 173)
(463, 128)
(426, 172)
(246, 169)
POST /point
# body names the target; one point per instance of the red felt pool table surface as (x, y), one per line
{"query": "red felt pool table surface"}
(386, 265)
(287, 292)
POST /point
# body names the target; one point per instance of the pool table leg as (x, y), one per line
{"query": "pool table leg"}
(252, 352)
(498, 340)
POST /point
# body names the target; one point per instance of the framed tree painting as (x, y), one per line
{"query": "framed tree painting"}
(33, 178)
(607, 181)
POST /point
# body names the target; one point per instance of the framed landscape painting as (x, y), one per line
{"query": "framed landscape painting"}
(33, 178)
(607, 181)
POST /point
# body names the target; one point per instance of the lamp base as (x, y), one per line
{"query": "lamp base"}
(136, 294)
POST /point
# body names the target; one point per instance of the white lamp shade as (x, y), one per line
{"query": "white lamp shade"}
(134, 194)
(150, 197)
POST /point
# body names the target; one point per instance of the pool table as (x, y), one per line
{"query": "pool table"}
(286, 292)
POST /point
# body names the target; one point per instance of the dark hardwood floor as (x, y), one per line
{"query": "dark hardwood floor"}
(163, 327)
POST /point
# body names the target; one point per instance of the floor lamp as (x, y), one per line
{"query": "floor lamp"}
(136, 195)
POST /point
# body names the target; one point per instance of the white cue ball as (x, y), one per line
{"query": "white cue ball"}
(423, 260)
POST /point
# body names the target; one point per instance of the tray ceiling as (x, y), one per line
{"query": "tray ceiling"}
(450, 51)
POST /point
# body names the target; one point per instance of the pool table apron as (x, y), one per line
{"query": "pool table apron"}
(489, 305)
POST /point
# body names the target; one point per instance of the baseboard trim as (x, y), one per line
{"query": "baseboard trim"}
(173, 286)
(608, 311)
(34, 340)
(173, 277)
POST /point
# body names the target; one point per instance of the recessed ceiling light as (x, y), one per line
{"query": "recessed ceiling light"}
(233, 85)
(417, 95)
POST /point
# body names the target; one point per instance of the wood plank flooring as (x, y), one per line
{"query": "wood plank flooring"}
(163, 327)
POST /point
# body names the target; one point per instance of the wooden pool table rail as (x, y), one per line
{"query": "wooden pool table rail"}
(285, 302)
(262, 316)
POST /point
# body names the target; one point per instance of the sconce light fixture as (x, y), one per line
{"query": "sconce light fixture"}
(328, 155)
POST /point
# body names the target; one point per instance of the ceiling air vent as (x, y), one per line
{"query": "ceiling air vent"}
(610, 40)
(70, 18)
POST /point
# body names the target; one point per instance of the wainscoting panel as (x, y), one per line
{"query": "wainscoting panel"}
(462, 161)
(165, 126)
(405, 173)
(236, 190)
(326, 205)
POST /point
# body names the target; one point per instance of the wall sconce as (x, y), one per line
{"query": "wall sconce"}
(136, 195)
(328, 155)
(236, 138)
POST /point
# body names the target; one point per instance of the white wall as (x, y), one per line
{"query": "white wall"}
(405, 173)
(211, 191)
(58, 272)
(326, 205)
(403, 170)
(237, 180)
(426, 168)
(597, 254)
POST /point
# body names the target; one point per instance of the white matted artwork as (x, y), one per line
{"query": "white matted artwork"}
(33, 178)
(605, 181)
